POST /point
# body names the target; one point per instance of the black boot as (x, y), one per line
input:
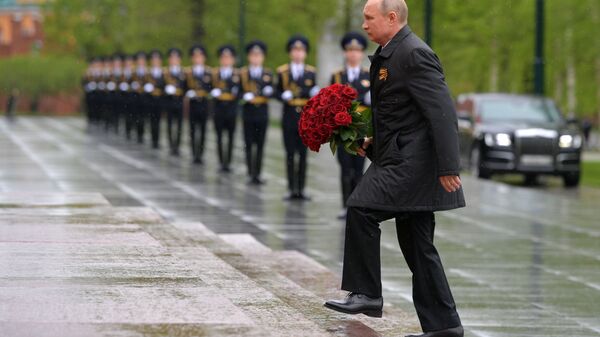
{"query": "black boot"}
(358, 304)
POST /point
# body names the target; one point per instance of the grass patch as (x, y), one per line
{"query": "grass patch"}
(591, 173)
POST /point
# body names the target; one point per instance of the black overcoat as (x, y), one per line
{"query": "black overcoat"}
(415, 137)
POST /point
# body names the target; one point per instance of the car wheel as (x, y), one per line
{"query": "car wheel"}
(571, 179)
(475, 165)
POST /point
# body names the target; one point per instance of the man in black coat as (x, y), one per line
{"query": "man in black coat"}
(354, 45)
(414, 172)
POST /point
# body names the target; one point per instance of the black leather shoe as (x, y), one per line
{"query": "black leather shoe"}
(290, 196)
(302, 197)
(358, 304)
(453, 332)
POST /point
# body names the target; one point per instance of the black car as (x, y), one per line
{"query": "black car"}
(504, 133)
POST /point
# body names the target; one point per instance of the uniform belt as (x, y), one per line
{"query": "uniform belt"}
(201, 93)
(298, 102)
(259, 100)
(227, 97)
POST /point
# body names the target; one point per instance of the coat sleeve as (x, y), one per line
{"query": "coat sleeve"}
(428, 88)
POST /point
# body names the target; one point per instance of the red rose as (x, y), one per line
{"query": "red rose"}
(349, 92)
(338, 108)
(343, 119)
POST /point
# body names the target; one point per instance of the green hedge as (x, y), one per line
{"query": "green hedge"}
(38, 75)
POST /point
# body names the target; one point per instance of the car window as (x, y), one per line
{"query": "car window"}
(520, 110)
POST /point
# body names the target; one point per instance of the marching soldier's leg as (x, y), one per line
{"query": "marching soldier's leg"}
(194, 135)
(231, 121)
(261, 126)
(155, 113)
(248, 139)
(288, 142)
(218, 119)
(140, 119)
(203, 119)
(302, 171)
(179, 126)
(431, 293)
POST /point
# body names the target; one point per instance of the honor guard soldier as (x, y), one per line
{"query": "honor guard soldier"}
(199, 85)
(104, 99)
(154, 86)
(127, 95)
(354, 45)
(297, 83)
(141, 99)
(257, 86)
(90, 88)
(226, 88)
(116, 99)
(175, 86)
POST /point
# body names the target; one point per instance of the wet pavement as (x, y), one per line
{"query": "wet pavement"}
(521, 261)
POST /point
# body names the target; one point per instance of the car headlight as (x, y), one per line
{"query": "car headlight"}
(499, 139)
(570, 141)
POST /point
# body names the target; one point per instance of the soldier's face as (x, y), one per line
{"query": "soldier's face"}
(174, 60)
(129, 63)
(227, 60)
(298, 55)
(117, 64)
(156, 62)
(198, 58)
(354, 56)
(256, 58)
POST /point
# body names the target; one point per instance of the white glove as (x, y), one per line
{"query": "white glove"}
(148, 87)
(91, 86)
(111, 86)
(170, 89)
(287, 95)
(101, 85)
(216, 92)
(248, 96)
(190, 94)
(267, 91)
(314, 91)
(135, 85)
(124, 86)
(368, 98)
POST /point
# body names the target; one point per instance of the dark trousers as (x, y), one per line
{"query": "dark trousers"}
(225, 120)
(155, 113)
(352, 171)
(295, 150)
(256, 119)
(140, 116)
(415, 230)
(174, 107)
(198, 118)
(129, 113)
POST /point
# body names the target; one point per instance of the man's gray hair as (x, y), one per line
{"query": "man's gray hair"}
(397, 6)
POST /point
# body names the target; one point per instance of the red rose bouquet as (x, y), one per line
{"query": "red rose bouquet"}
(333, 116)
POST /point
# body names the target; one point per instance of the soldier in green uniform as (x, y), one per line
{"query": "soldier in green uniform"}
(154, 86)
(257, 88)
(199, 85)
(297, 84)
(356, 76)
(175, 86)
(226, 88)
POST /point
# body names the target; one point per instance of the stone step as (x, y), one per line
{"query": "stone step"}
(318, 280)
(298, 280)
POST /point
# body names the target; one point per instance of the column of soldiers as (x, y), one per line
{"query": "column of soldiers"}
(140, 91)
